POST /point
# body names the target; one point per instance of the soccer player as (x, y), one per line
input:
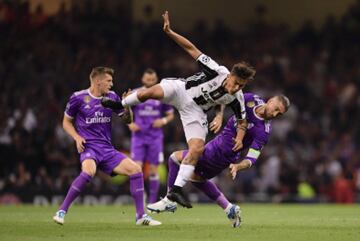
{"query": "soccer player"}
(89, 124)
(192, 97)
(218, 154)
(147, 135)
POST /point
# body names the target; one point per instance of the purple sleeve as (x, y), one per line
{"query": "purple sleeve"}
(72, 106)
(248, 97)
(256, 146)
(167, 108)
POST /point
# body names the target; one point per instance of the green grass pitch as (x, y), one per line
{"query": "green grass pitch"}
(203, 222)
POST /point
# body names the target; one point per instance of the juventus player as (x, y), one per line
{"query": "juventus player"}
(192, 97)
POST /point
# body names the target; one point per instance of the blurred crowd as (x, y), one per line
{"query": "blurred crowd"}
(313, 154)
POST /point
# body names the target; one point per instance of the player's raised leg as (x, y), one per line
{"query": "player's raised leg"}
(155, 92)
(88, 167)
(133, 170)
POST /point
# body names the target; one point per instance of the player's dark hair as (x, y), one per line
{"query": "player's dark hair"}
(284, 100)
(149, 71)
(101, 70)
(243, 70)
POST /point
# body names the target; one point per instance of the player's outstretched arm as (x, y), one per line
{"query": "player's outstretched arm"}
(189, 47)
(127, 116)
(234, 168)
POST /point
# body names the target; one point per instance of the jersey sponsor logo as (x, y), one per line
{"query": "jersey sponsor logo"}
(206, 95)
(99, 118)
(149, 111)
(250, 104)
(87, 99)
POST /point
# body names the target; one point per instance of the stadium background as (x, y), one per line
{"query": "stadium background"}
(307, 50)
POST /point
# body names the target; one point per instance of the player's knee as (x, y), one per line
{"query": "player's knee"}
(91, 172)
(136, 168)
(89, 167)
(176, 157)
(197, 150)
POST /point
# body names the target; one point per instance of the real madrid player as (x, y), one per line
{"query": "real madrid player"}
(89, 124)
(192, 97)
(218, 154)
(147, 135)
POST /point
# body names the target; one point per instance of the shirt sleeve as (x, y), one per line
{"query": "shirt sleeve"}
(117, 99)
(72, 107)
(208, 66)
(256, 146)
(238, 106)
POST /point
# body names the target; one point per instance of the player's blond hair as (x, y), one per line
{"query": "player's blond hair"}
(101, 70)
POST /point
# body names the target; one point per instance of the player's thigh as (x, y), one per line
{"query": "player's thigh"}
(171, 90)
(194, 121)
(154, 153)
(138, 150)
(127, 167)
(89, 166)
(154, 92)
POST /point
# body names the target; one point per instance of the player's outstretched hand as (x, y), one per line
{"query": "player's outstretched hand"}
(237, 144)
(126, 93)
(166, 26)
(216, 124)
(134, 127)
(80, 141)
(233, 170)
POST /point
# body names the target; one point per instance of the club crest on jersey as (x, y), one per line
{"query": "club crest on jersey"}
(250, 104)
(87, 99)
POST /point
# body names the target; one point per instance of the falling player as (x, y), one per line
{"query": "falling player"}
(218, 154)
(147, 135)
(89, 124)
(192, 97)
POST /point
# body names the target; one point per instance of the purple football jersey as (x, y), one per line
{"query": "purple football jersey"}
(218, 153)
(144, 116)
(91, 120)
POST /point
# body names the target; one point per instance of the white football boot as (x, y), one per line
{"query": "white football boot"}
(146, 220)
(164, 205)
(234, 215)
(59, 217)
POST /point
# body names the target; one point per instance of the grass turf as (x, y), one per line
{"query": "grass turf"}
(203, 222)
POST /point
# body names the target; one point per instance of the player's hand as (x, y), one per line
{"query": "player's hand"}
(111, 104)
(134, 127)
(233, 170)
(166, 26)
(216, 124)
(237, 144)
(80, 141)
(158, 123)
(126, 93)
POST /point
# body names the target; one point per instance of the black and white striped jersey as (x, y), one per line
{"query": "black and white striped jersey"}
(206, 89)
